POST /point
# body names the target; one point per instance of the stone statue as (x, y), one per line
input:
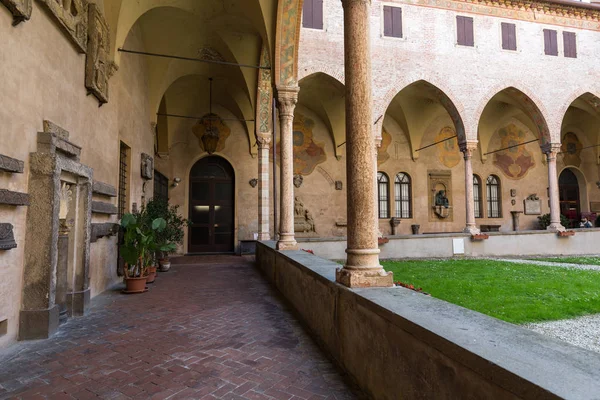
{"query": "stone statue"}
(441, 199)
(303, 219)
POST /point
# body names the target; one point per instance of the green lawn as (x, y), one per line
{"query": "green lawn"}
(589, 260)
(516, 293)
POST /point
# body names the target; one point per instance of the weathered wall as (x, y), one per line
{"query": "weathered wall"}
(42, 78)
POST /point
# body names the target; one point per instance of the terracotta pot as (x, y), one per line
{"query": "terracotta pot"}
(135, 285)
(165, 265)
(151, 274)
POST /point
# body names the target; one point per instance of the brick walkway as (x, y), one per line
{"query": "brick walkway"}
(205, 331)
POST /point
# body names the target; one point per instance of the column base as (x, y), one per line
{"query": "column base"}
(38, 324)
(354, 278)
(78, 303)
(472, 230)
(283, 244)
(556, 227)
(264, 236)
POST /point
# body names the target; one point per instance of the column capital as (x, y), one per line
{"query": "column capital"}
(548, 148)
(468, 147)
(287, 97)
(263, 141)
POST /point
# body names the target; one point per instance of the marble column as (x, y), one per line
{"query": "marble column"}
(362, 268)
(551, 150)
(264, 145)
(468, 148)
(287, 97)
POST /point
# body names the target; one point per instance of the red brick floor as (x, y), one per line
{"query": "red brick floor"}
(214, 330)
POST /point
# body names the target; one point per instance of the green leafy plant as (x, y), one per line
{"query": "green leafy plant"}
(544, 221)
(173, 233)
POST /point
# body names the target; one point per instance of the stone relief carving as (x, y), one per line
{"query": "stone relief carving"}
(147, 167)
(97, 66)
(298, 179)
(253, 182)
(303, 219)
(20, 9)
(72, 15)
(13, 198)
(7, 237)
(338, 185)
(533, 205)
(66, 196)
(210, 54)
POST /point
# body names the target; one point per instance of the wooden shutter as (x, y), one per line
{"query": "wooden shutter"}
(550, 45)
(307, 14)
(464, 31)
(317, 14)
(312, 14)
(460, 30)
(509, 37)
(387, 21)
(396, 22)
(570, 44)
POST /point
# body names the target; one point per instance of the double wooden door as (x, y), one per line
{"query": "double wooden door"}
(212, 191)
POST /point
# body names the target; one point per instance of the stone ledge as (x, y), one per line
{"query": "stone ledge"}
(13, 198)
(9, 164)
(52, 143)
(101, 230)
(104, 189)
(7, 237)
(100, 207)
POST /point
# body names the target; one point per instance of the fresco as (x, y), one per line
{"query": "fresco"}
(213, 121)
(307, 153)
(516, 161)
(382, 151)
(447, 150)
(571, 149)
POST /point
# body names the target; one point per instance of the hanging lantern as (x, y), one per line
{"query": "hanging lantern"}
(206, 130)
(210, 139)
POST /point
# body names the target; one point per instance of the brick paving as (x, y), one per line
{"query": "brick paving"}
(214, 330)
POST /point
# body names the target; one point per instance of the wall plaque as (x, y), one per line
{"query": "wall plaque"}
(533, 205)
(595, 206)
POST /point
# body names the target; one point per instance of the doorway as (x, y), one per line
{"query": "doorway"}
(211, 206)
(568, 187)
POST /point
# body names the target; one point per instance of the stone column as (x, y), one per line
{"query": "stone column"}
(551, 150)
(362, 267)
(264, 145)
(468, 148)
(287, 97)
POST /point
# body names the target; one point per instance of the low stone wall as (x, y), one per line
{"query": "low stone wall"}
(499, 244)
(400, 344)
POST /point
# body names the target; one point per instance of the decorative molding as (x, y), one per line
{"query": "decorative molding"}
(98, 68)
(11, 198)
(9, 164)
(51, 127)
(72, 16)
(103, 230)
(52, 143)
(20, 9)
(100, 207)
(7, 237)
(104, 189)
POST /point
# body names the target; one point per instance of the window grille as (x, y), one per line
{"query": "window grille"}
(161, 186)
(403, 195)
(383, 191)
(123, 182)
(493, 197)
(477, 196)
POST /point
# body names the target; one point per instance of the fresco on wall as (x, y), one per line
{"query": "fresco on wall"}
(382, 151)
(571, 149)
(447, 150)
(212, 121)
(516, 161)
(307, 153)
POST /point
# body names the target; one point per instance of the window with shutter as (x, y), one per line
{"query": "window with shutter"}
(392, 21)
(570, 43)
(509, 36)
(312, 14)
(464, 31)
(550, 42)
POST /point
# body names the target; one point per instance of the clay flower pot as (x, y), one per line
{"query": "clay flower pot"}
(151, 274)
(135, 285)
(165, 265)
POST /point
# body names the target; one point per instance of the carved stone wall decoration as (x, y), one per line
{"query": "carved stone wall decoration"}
(298, 179)
(52, 142)
(513, 192)
(7, 237)
(147, 166)
(253, 182)
(440, 189)
(72, 16)
(102, 230)
(532, 205)
(13, 198)
(20, 9)
(303, 219)
(9, 164)
(97, 66)
(338, 185)
(51, 127)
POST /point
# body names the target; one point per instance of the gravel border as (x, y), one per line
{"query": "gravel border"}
(549, 263)
(582, 331)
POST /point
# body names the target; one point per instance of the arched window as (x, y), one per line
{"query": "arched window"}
(494, 202)
(478, 207)
(383, 195)
(403, 195)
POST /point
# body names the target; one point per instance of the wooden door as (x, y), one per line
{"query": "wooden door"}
(211, 206)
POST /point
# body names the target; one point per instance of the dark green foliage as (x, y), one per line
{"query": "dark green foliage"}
(544, 221)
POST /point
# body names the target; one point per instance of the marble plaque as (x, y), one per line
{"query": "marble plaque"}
(532, 205)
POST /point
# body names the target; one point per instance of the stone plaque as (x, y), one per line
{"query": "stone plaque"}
(532, 205)
(72, 16)
(7, 237)
(147, 166)
(97, 66)
(595, 206)
(20, 9)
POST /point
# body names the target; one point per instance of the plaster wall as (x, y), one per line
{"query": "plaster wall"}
(42, 78)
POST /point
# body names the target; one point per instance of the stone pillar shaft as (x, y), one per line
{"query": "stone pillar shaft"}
(264, 145)
(287, 97)
(362, 266)
(468, 148)
(551, 150)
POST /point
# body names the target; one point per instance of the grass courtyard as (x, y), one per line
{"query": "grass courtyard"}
(517, 293)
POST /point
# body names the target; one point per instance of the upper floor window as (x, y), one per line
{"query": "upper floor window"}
(477, 196)
(392, 21)
(493, 197)
(312, 14)
(570, 43)
(509, 36)
(550, 42)
(383, 195)
(464, 31)
(403, 195)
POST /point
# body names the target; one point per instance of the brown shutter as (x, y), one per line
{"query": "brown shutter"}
(570, 44)
(550, 46)
(460, 30)
(470, 41)
(505, 40)
(317, 14)
(396, 22)
(509, 37)
(387, 21)
(307, 14)
(464, 31)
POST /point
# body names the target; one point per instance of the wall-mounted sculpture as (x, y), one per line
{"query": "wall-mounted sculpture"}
(298, 179)
(97, 66)
(147, 166)
(440, 187)
(7, 237)
(382, 151)
(303, 219)
(20, 9)
(72, 16)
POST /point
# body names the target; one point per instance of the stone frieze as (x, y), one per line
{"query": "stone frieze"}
(97, 66)
(20, 9)
(9, 164)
